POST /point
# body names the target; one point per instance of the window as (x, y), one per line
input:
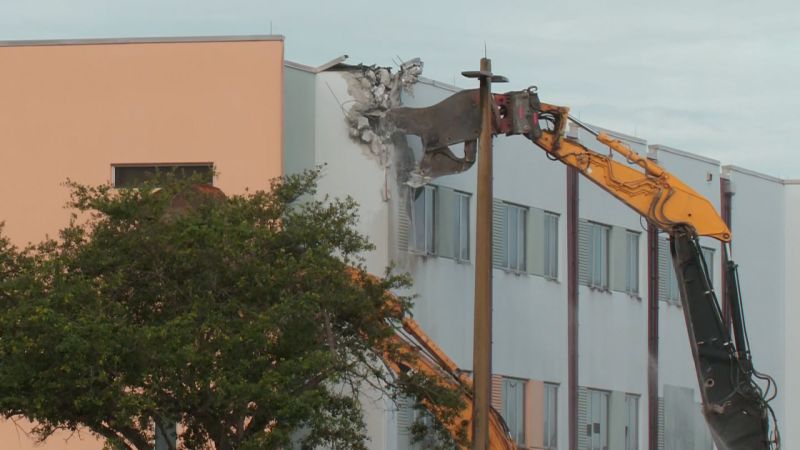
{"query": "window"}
(407, 417)
(134, 175)
(514, 408)
(674, 292)
(632, 262)
(708, 256)
(435, 220)
(514, 237)
(551, 245)
(166, 435)
(668, 290)
(598, 255)
(632, 422)
(422, 220)
(680, 418)
(462, 226)
(597, 423)
(550, 441)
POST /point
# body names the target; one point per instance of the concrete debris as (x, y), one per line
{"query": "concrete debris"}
(375, 90)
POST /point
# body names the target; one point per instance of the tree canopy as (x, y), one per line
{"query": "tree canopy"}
(248, 320)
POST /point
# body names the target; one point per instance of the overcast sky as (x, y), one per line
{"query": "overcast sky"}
(717, 78)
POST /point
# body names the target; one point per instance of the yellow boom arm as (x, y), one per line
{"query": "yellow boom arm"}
(652, 191)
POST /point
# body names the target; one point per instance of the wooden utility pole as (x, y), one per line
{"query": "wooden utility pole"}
(482, 347)
(573, 305)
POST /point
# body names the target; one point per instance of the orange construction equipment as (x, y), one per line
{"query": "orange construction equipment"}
(734, 405)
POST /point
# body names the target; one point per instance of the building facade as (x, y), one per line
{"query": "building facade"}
(109, 111)
(106, 111)
(428, 231)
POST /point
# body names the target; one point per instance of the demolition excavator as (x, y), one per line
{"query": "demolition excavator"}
(735, 405)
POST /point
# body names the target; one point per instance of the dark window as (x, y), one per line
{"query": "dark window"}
(131, 176)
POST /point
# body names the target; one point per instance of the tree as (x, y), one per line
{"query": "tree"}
(248, 320)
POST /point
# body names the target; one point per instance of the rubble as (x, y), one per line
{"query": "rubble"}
(375, 90)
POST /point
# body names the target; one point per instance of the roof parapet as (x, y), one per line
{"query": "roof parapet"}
(142, 40)
(334, 62)
(656, 148)
(732, 168)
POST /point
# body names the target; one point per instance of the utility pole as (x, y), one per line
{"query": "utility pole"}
(482, 344)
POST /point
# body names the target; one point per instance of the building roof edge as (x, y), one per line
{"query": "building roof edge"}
(685, 154)
(325, 66)
(440, 84)
(141, 40)
(752, 173)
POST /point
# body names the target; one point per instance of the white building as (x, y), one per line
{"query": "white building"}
(530, 352)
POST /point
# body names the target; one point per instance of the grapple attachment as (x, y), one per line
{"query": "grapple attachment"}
(457, 120)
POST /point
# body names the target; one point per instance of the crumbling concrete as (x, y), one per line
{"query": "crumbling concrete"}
(375, 90)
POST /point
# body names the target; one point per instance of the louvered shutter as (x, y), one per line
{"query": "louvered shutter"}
(405, 418)
(497, 393)
(618, 258)
(499, 240)
(660, 423)
(444, 222)
(664, 266)
(403, 217)
(583, 252)
(583, 411)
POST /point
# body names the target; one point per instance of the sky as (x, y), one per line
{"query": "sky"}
(716, 78)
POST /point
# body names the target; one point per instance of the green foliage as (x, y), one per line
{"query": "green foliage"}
(236, 317)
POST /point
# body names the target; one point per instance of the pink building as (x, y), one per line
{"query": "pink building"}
(104, 111)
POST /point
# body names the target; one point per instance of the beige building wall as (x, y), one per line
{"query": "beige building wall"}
(73, 109)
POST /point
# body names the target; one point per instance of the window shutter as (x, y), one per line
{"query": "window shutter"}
(678, 424)
(403, 218)
(535, 241)
(497, 393)
(583, 252)
(499, 250)
(660, 423)
(618, 258)
(583, 409)
(664, 266)
(405, 419)
(444, 222)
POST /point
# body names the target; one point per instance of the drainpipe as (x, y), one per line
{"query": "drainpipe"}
(652, 335)
(572, 304)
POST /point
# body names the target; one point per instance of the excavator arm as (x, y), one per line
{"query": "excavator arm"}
(735, 407)
(432, 361)
(413, 350)
(651, 191)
